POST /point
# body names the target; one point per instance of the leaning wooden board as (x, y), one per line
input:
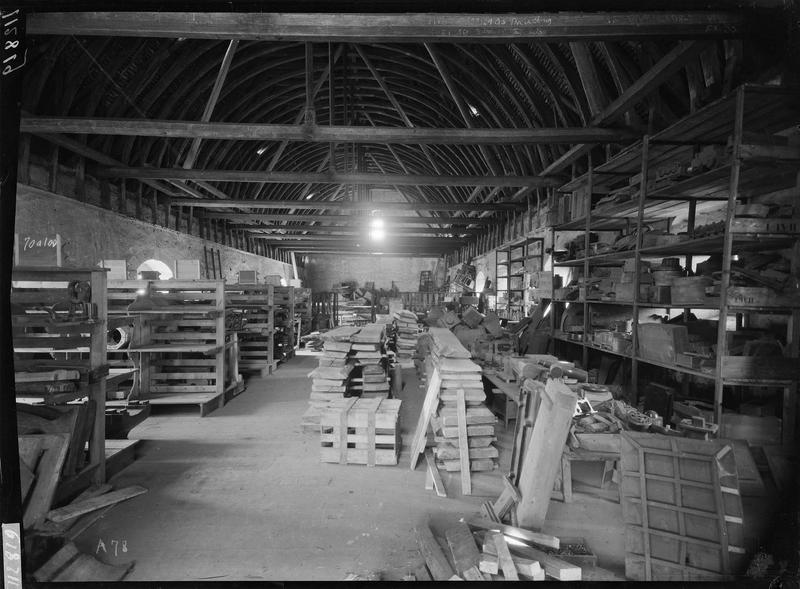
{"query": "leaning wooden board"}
(682, 509)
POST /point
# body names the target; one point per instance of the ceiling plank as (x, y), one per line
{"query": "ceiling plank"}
(320, 134)
(362, 178)
(417, 28)
(346, 205)
(667, 66)
(396, 220)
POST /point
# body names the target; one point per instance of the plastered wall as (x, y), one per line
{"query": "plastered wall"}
(326, 271)
(91, 234)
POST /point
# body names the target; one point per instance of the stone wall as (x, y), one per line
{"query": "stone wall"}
(91, 234)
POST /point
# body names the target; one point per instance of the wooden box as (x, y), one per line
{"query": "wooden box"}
(689, 290)
(662, 342)
(759, 296)
(361, 431)
(759, 368)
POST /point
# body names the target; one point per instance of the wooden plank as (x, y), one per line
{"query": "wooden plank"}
(543, 455)
(526, 536)
(428, 407)
(76, 509)
(553, 566)
(463, 445)
(504, 560)
(56, 563)
(48, 471)
(88, 568)
(434, 556)
(436, 477)
(463, 548)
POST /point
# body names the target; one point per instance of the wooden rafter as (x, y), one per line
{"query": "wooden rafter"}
(667, 66)
(343, 205)
(354, 230)
(362, 178)
(419, 28)
(312, 133)
(331, 218)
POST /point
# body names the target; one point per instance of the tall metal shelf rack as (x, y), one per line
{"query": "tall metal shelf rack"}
(751, 124)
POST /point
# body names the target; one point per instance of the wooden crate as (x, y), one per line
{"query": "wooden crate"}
(361, 431)
(760, 368)
(662, 341)
(682, 509)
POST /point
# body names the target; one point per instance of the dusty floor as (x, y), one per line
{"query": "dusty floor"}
(241, 495)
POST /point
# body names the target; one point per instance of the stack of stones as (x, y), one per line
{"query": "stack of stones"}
(406, 335)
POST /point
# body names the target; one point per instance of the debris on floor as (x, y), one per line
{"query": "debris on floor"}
(71, 565)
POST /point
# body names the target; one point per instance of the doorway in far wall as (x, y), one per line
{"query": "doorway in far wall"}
(164, 271)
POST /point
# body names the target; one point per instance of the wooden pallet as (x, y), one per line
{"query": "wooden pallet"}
(682, 509)
(361, 431)
(207, 402)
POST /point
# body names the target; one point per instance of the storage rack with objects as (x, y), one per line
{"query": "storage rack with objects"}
(250, 313)
(58, 322)
(721, 183)
(302, 312)
(515, 264)
(283, 298)
(181, 346)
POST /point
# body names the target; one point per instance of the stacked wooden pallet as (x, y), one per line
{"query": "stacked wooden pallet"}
(361, 431)
(331, 378)
(370, 358)
(254, 304)
(406, 335)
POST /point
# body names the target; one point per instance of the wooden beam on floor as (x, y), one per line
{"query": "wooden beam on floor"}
(366, 28)
(320, 134)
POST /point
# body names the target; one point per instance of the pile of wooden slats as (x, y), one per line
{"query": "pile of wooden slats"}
(406, 335)
(461, 418)
(331, 378)
(505, 553)
(370, 357)
(68, 564)
(361, 431)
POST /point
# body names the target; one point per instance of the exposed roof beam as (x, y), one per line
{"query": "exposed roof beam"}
(417, 28)
(354, 230)
(590, 80)
(84, 150)
(359, 252)
(324, 177)
(328, 240)
(305, 133)
(667, 66)
(224, 67)
(346, 205)
(254, 218)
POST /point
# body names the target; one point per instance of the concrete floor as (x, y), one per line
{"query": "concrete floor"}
(241, 495)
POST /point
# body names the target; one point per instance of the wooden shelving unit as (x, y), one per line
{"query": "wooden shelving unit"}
(256, 335)
(285, 325)
(53, 333)
(630, 191)
(180, 347)
(515, 264)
